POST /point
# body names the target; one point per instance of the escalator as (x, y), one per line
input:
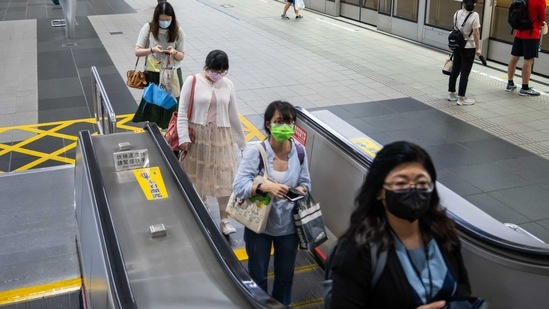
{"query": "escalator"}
(194, 263)
(146, 245)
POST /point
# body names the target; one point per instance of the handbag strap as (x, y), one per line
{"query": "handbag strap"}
(146, 46)
(264, 158)
(191, 100)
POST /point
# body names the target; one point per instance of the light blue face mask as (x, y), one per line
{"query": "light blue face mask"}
(164, 24)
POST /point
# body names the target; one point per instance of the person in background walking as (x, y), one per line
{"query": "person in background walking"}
(160, 38)
(464, 58)
(210, 162)
(287, 6)
(526, 44)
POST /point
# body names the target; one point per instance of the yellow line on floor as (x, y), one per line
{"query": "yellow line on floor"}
(297, 270)
(39, 291)
(309, 303)
(241, 254)
(251, 129)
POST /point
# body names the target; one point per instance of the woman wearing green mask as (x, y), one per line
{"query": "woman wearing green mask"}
(160, 39)
(287, 166)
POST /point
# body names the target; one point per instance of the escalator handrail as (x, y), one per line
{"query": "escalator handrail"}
(224, 253)
(365, 160)
(122, 293)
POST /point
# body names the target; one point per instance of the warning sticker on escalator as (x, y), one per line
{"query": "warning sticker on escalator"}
(151, 182)
(369, 146)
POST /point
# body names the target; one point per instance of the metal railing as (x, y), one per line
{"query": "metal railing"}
(102, 108)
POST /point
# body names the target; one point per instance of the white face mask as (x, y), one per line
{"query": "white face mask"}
(164, 24)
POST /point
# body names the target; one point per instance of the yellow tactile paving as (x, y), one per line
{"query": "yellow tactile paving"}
(40, 291)
(52, 129)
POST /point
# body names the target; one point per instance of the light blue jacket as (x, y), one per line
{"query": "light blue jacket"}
(280, 221)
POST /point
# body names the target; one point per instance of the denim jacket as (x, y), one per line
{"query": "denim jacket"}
(280, 221)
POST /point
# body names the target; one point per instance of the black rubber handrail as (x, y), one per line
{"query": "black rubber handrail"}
(122, 293)
(222, 250)
(481, 236)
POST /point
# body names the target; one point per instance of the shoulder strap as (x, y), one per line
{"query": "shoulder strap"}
(378, 262)
(465, 19)
(263, 158)
(191, 99)
(300, 154)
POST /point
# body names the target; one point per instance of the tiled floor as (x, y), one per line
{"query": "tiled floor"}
(493, 153)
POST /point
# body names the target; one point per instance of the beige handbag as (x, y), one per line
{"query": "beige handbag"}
(253, 212)
(170, 80)
(448, 64)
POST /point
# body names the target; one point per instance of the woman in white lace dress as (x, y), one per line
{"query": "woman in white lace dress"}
(210, 162)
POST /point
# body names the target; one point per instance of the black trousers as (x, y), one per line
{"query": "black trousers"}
(463, 63)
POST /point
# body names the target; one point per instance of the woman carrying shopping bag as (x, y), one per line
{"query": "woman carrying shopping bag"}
(160, 39)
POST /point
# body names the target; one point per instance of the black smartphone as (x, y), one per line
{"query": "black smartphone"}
(294, 195)
(466, 303)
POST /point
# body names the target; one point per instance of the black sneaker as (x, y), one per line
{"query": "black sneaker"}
(528, 92)
(283, 16)
(510, 87)
(299, 17)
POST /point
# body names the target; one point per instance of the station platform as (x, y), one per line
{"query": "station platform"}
(494, 153)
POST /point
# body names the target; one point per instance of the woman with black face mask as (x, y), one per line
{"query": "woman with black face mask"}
(468, 22)
(398, 214)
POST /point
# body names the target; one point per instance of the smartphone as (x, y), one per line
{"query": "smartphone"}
(294, 195)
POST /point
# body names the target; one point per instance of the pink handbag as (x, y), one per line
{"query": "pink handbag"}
(171, 134)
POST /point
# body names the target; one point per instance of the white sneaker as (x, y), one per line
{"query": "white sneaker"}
(226, 227)
(465, 101)
(452, 97)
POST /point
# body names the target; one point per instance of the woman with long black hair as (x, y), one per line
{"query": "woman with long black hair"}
(159, 40)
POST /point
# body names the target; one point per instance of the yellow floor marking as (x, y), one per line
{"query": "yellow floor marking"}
(297, 270)
(308, 303)
(241, 254)
(251, 129)
(39, 291)
(52, 129)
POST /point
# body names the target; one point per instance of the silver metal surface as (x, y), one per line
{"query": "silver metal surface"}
(37, 228)
(178, 270)
(102, 108)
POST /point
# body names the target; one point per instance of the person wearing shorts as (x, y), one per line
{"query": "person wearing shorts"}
(286, 7)
(526, 45)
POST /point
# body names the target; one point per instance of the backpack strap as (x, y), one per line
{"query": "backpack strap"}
(378, 262)
(463, 24)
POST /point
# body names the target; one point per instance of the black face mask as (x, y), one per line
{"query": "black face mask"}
(408, 205)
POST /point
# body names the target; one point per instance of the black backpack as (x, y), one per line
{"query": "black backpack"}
(456, 41)
(378, 260)
(519, 17)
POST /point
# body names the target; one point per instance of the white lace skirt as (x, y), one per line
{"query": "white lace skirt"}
(211, 163)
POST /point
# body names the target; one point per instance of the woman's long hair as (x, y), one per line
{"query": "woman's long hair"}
(166, 9)
(368, 220)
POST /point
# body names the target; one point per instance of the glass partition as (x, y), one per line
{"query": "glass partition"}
(406, 9)
(385, 7)
(352, 2)
(439, 13)
(370, 4)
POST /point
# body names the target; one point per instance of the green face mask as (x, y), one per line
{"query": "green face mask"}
(282, 132)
